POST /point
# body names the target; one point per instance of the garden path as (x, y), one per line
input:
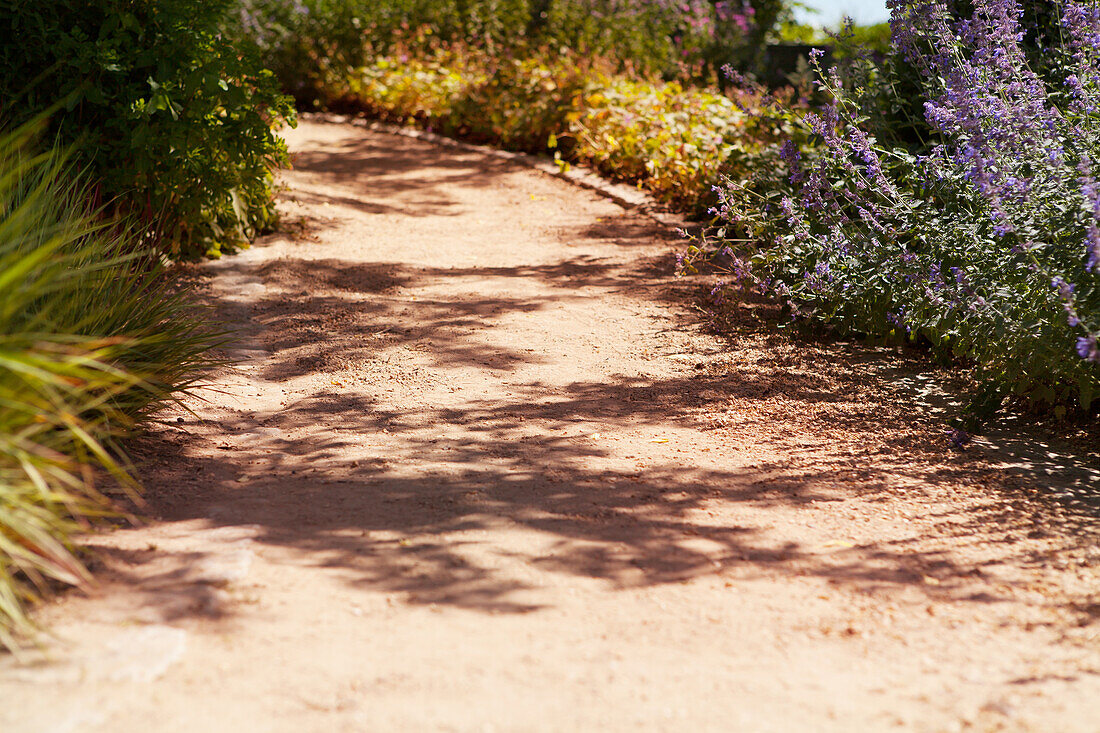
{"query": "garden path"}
(481, 467)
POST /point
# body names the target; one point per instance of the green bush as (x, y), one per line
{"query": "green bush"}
(91, 342)
(171, 121)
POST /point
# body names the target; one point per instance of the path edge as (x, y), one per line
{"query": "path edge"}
(626, 196)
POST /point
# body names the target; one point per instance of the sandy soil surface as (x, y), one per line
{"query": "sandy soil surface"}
(482, 467)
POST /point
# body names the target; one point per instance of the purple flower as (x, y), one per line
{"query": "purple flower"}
(958, 438)
(1092, 246)
(1088, 349)
(1064, 289)
(718, 293)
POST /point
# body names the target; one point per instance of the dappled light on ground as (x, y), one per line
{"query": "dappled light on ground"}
(480, 457)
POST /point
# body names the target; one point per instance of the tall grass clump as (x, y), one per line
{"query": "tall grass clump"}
(978, 230)
(91, 343)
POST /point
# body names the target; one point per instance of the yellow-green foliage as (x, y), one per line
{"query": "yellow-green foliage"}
(413, 90)
(676, 141)
(523, 103)
(671, 139)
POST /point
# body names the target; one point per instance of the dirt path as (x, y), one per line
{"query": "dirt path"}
(481, 469)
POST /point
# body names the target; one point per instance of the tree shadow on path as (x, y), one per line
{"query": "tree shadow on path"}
(636, 480)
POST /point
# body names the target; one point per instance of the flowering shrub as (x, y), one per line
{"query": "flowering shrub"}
(984, 242)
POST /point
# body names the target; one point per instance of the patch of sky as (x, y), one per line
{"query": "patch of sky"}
(830, 12)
